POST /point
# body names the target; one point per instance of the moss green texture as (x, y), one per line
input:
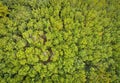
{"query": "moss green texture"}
(59, 41)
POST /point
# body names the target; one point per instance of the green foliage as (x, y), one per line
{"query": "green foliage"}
(3, 10)
(59, 41)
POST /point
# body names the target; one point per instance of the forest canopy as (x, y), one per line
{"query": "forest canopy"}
(59, 41)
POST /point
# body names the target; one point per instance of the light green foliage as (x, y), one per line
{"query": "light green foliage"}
(60, 41)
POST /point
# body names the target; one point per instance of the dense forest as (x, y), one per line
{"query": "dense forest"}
(59, 41)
